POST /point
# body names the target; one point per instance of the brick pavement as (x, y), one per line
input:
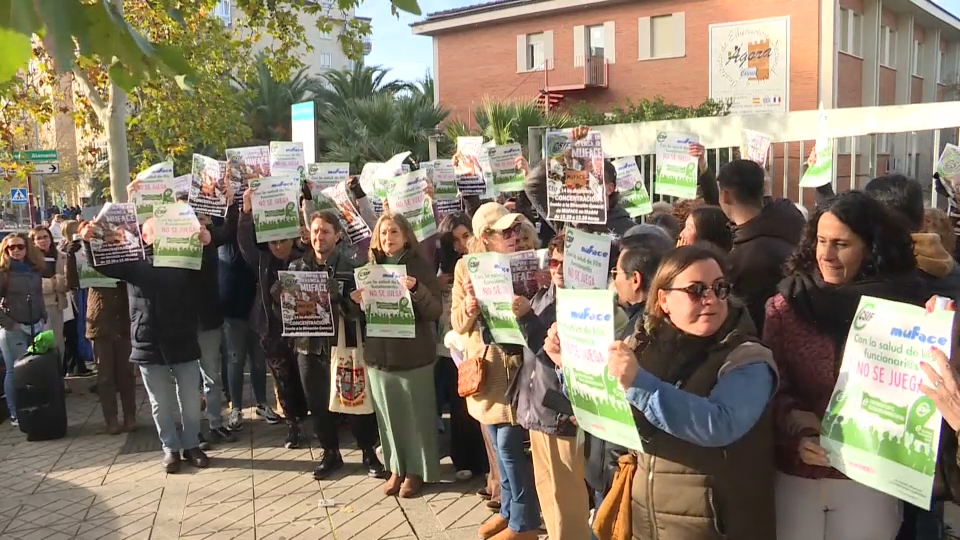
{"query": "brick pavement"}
(91, 485)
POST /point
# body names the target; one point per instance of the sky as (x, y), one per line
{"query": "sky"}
(409, 57)
(394, 45)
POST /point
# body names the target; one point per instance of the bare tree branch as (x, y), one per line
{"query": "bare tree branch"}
(96, 100)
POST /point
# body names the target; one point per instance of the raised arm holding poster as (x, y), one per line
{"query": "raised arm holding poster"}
(246, 164)
(176, 241)
(576, 192)
(154, 186)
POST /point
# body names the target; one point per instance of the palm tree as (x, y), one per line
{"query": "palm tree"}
(268, 100)
(377, 127)
(361, 82)
(507, 122)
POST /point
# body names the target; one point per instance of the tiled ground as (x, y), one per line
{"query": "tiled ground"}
(95, 486)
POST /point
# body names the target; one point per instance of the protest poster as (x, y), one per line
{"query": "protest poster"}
(755, 147)
(88, 276)
(445, 207)
(207, 190)
(503, 165)
(356, 227)
(410, 200)
(321, 176)
(274, 201)
(154, 186)
(288, 160)
(879, 428)
(176, 242)
(524, 266)
(246, 164)
(305, 304)
(467, 168)
(116, 235)
(586, 260)
(441, 174)
(634, 197)
(492, 280)
(821, 172)
(387, 305)
(677, 172)
(576, 192)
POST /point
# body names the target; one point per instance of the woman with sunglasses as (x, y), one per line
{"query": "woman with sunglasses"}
(22, 311)
(700, 382)
(496, 229)
(852, 247)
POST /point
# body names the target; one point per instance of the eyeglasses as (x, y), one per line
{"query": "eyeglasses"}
(16, 247)
(698, 291)
(555, 263)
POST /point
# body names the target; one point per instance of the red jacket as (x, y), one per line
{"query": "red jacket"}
(808, 373)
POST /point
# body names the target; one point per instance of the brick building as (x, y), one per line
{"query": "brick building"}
(765, 55)
(605, 51)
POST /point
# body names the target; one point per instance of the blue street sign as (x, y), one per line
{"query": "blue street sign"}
(18, 195)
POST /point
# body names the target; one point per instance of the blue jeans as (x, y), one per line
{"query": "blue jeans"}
(244, 343)
(210, 370)
(597, 501)
(167, 386)
(518, 493)
(13, 344)
(920, 524)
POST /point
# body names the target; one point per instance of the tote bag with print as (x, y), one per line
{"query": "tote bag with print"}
(349, 386)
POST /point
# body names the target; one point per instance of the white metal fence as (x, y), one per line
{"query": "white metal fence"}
(868, 142)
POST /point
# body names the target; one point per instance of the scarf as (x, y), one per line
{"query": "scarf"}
(831, 308)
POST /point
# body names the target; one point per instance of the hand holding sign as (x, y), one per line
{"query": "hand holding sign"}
(698, 151)
(622, 364)
(812, 453)
(551, 345)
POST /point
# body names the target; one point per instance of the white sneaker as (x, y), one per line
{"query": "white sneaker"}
(265, 412)
(464, 476)
(235, 420)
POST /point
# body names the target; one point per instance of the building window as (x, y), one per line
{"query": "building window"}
(663, 36)
(595, 41)
(534, 52)
(851, 32)
(326, 60)
(917, 68)
(888, 47)
(222, 10)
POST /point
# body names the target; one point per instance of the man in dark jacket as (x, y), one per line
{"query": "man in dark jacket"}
(163, 332)
(765, 234)
(210, 331)
(238, 290)
(313, 353)
(640, 255)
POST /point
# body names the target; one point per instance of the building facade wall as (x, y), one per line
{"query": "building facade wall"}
(468, 73)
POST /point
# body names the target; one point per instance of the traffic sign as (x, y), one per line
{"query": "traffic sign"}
(36, 156)
(46, 168)
(18, 195)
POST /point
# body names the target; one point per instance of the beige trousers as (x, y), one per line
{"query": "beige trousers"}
(558, 470)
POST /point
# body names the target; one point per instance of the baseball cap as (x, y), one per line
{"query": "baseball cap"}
(493, 216)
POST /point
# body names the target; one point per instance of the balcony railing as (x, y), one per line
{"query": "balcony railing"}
(595, 71)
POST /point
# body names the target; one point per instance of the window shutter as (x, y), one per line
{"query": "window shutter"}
(579, 45)
(679, 34)
(548, 49)
(643, 37)
(521, 53)
(610, 41)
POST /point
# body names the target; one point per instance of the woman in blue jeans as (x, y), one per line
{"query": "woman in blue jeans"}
(22, 312)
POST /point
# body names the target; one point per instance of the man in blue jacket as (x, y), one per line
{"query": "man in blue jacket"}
(163, 335)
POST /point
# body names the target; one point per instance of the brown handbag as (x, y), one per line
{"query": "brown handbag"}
(470, 374)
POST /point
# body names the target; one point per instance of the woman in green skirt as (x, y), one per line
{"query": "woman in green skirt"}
(400, 370)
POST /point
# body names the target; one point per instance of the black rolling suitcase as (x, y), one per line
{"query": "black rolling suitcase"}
(41, 401)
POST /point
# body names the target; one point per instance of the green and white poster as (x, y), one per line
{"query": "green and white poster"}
(676, 168)
(585, 323)
(633, 192)
(287, 159)
(386, 302)
(154, 186)
(89, 276)
(177, 242)
(440, 173)
(275, 215)
(493, 284)
(503, 164)
(821, 172)
(879, 428)
(409, 198)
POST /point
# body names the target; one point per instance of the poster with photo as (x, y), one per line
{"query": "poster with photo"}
(208, 190)
(575, 183)
(116, 235)
(245, 164)
(305, 304)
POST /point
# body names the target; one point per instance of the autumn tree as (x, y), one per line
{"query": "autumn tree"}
(156, 51)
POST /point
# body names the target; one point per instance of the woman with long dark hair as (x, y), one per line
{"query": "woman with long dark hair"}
(707, 224)
(466, 440)
(852, 247)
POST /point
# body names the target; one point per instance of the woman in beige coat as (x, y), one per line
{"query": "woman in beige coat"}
(496, 230)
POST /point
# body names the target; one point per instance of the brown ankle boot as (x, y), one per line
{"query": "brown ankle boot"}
(129, 423)
(113, 427)
(492, 527)
(392, 486)
(411, 487)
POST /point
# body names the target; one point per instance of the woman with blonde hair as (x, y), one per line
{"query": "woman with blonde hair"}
(496, 230)
(22, 311)
(400, 371)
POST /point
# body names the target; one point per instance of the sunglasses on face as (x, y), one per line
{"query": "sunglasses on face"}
(16, 247)
(555, 263)
(507, 234)
(698, 291)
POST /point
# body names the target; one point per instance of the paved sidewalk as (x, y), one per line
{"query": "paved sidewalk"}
(91, 485)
